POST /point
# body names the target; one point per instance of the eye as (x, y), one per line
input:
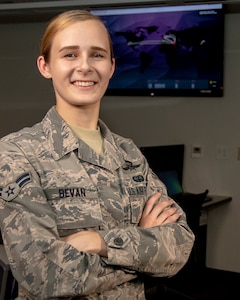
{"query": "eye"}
(70, 55)
(98, 55)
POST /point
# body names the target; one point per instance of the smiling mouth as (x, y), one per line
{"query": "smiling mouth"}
(84, 83)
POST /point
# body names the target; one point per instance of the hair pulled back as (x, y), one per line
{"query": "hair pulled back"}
(61, 22)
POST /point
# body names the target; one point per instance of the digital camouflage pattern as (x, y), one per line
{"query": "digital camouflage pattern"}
(52, 184)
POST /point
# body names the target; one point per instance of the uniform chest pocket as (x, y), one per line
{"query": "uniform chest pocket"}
(75, 208)
(137, 198)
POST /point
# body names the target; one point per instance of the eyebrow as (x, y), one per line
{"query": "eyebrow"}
(68, 48)
(77, 48)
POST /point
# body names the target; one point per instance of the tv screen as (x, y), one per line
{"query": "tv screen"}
(166, 50)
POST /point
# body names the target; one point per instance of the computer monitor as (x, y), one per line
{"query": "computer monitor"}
(167, 162)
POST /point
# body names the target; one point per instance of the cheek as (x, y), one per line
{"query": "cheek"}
(60, 71)
(109, 72)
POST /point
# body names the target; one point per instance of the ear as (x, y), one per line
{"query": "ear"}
(43, 67)
(112, 67)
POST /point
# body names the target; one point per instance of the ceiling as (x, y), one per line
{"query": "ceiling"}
(14, 11)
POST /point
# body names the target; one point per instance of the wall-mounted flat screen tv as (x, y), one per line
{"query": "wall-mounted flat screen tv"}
(166, 50)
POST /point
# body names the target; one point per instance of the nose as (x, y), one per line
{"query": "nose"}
(83, 65)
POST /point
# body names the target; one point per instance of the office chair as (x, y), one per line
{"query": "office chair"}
(177, 287)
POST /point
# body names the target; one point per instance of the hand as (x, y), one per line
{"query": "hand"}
(158, 213)
(87, 241)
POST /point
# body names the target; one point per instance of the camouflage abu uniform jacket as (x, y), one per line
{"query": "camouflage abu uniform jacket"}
(51, 185)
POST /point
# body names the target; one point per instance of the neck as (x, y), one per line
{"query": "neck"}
(81, 116)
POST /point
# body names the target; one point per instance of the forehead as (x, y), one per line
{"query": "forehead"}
(82, 32)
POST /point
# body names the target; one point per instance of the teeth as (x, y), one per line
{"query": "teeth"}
(84, 83)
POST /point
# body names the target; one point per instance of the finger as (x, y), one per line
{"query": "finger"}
(171, 219)
(168, 215)
(161, 207)
(151, 203)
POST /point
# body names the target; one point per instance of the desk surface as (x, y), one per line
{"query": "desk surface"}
(215, 200)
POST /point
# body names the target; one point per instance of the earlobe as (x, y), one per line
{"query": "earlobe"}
(43, 67)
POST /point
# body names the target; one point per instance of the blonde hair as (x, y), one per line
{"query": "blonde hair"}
(61, 22)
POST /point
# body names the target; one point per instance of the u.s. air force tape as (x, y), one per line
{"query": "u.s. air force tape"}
(9, 192)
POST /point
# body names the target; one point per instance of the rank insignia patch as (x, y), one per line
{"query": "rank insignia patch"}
(11, 191)
(130, 166)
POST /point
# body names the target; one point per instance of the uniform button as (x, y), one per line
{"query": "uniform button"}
(118, 241)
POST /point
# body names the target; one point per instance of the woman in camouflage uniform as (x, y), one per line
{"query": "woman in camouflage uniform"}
(82, 215)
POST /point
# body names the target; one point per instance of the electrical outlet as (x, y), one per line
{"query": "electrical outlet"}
(222, 152)
(196, 151)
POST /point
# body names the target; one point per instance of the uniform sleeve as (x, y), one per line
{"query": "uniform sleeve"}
(42, 264)
(158, 251)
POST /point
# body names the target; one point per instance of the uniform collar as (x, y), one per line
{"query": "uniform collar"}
(63, 141)
(60, 136)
